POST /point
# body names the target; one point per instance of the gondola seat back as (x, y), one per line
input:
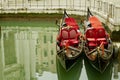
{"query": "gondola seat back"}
(65, 34)
(96, 36)
(101, 36)
(91, 38)
(69, 36)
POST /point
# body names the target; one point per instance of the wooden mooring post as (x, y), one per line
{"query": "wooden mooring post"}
(1, 60)
(0, 32)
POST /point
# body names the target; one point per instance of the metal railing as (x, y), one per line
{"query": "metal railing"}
(53, 6)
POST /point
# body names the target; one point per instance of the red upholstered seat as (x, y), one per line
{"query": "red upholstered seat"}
(64, 34)
(95, 22)
(91, 37)
(96, 34)
(71, 22)
(73, 33)
(101, 36)
(100, 32)
(69, 36)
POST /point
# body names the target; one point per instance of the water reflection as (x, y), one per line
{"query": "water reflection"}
(0, 32)
(27, 51)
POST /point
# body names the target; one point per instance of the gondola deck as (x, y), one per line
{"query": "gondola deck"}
(70, 44)
(98, 46)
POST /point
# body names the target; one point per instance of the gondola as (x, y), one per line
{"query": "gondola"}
(69, 44)
(98, 46)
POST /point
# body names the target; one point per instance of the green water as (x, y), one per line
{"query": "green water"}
(28, 23)
(74, 74)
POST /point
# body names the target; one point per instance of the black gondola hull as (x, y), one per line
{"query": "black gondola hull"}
(67, 63)
(100, 64)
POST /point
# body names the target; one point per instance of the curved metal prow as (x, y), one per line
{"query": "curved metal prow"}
(64, 16)
(89, 13)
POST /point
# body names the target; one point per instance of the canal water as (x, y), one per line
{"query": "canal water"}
(41, 46)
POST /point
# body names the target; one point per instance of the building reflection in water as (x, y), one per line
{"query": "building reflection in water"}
(45, 51)
(11, 66)
(27, 50)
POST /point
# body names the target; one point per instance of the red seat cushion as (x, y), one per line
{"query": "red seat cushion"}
(100, 32)
(92, 43)
(95, 22)
(73, 33)
(91, 37)
(69, 36)
(101, 36)
(64, 34)
(96, 34)
(90, 33)
(71, 22)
